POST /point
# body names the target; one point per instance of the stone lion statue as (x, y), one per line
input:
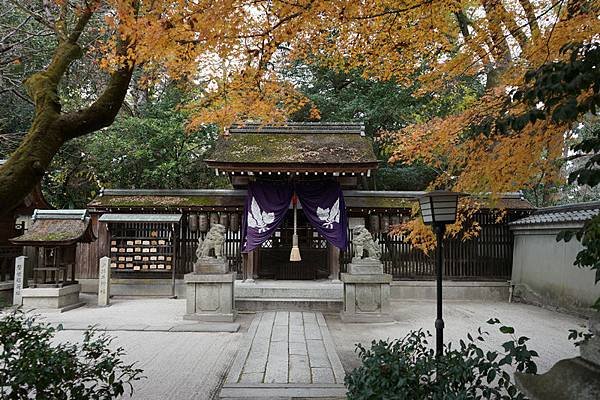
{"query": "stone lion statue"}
(362, 240)
(214, 240)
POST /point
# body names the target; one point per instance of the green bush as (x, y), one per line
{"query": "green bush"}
(35, 366)
(409, 369)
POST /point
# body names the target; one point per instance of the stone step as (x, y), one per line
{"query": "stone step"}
(265, 289)
(324, 296)
(288, 304)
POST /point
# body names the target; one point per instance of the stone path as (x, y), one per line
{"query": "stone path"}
(286, 354)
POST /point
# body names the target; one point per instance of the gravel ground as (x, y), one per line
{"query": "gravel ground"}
(547, 329)
(186, 365)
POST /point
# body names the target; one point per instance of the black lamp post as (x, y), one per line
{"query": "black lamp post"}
(439, 209)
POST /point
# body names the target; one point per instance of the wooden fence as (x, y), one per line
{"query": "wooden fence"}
(485, 257)
(188, 242)
(488, 256)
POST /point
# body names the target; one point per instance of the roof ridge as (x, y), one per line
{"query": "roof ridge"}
(589, 205)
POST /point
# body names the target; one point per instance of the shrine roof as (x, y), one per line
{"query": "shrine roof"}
(212, 199)
(295, 147)
(57, 228)
(169, 199)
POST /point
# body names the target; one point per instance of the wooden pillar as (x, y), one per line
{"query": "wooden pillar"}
(249, 259)
(255, 263)
(333, 254)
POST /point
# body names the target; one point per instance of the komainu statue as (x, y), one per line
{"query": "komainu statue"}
(214, 240)
(362, 240)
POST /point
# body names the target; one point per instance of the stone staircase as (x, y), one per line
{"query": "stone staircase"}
(286, 355)
(324, 295)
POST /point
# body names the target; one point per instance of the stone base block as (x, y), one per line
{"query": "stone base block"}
(363, 317)
(210, 297)
(61, 299)
(590, 350)
(366, 298)
(211, 317)
(365, 267)
(569, 379)
(211, 266)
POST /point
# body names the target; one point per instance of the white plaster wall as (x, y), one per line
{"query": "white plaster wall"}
(545, 267)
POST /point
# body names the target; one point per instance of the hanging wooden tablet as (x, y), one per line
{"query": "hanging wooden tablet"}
(224, 220)
(374, 223)
(193, 222)
(384, 222)
(203, 222)
(234, 222)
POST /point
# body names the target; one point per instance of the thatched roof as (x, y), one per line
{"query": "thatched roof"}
(57, 228)
(294, 147)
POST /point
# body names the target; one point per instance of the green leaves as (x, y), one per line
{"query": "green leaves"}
(408, 369)
(579, 337)
(32, 365)
(507, 329)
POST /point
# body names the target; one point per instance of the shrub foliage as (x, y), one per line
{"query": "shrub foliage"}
(408, 368)
(33, 365)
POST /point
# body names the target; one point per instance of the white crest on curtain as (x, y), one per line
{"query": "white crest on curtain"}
(258, 218)
(329, 216)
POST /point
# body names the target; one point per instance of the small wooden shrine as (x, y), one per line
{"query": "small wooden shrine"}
(54, 235)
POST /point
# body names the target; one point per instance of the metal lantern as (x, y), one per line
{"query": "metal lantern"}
(234, 222)
(384, 221)
(224, 219)
(439, 207)
(214, 218)
(193, 222)
(203, 222)
(374, 223)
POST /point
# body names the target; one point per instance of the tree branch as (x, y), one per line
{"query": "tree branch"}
(102, 112)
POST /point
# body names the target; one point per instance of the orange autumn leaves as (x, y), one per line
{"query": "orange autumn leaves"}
(233, 53)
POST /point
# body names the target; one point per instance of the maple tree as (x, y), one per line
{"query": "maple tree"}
(234, 52)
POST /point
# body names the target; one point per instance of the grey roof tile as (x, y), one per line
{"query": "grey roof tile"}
(580, 212)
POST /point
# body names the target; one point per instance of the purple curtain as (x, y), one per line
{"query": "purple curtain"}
(324, 207)
(266, 206)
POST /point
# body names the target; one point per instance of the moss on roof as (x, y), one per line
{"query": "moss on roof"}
(165, 201)
(379, 202)
(56, 231)
(293, 148)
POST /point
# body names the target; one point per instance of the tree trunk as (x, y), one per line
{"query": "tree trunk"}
(531, 18)
(50, 128)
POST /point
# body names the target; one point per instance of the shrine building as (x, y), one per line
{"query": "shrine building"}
(326, 171)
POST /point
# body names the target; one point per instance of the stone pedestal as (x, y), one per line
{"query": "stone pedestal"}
(210, 295)
(572, 378)
(366, 293)
(590, 350)
(365, 267)
(211, 266)
(61, 299)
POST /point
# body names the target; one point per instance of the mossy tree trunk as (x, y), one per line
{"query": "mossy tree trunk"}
(51, 128)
